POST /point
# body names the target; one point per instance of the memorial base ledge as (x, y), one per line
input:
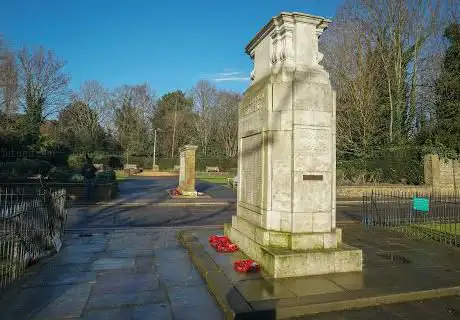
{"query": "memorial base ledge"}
(286, 263)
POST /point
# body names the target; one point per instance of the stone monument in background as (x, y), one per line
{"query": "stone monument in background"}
(287, 164)
(187, 171)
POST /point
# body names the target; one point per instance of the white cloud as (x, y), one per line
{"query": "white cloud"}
(231, 79)
(227, 74)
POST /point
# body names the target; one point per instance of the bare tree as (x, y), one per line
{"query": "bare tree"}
(375, 51)
(8, 81)
(79, 123)
(97, 98)
(8, 84)
(134, 108)
(205, 100)
(42, 81)
(354, 74)
(400, 30)
(227, 123)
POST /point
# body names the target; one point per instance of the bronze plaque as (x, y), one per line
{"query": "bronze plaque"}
(316, 177)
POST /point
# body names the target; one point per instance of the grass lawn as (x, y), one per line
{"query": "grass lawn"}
(452, 228)
(121, 175)
(220, 180)
(215, 180)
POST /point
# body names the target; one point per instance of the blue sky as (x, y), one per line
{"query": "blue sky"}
(169, 44)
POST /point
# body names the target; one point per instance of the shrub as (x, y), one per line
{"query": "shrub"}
(60, 175)
(76, 160)
(24, 168)
(65, 175)
(115, 162)
(106, 177)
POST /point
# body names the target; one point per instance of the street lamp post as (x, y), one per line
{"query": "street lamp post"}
(154, 147)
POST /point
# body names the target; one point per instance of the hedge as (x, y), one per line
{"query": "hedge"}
(117, 162)
(24, 168)
(55, 158)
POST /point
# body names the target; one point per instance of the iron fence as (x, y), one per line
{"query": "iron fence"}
(398, 211)
(32, 222)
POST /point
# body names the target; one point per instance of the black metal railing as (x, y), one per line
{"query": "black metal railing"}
(398, 211)
(32, 222)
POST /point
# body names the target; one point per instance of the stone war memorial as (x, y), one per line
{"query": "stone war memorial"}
(286, 217)
(187, 171)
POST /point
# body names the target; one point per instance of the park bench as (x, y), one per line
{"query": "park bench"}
(132, 169)
(212, 169)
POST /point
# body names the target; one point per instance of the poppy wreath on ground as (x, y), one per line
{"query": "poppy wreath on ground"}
(245, 266)
(175, 192)
(222, 244)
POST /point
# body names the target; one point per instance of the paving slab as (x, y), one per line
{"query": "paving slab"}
(110, 264)
(117, 283)
(441, 308)
(48, 302)
(183, 296)
(153, 311)
(115, 274)
(396, 269)
(109, 314)
(115, 300)
(59, 279)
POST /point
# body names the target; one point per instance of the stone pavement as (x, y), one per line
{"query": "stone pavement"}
(153, 189)
(143, 202)
(143, 273)
(396, 269)
(439, 309)
(107, 274)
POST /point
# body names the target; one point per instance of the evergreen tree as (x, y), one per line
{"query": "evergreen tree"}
(448, 90)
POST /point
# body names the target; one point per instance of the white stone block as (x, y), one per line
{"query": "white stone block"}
(311, 195)
(279, 239)
(313, 96)
(274, 120)
(302, 222)
(282, 96)
(273, 221)
(286, 222)
(312, 140)
(322, 221)
(308, 162)
(307, 241)
(330, 240)
(348, 260)
(320, 263)
(333, 216)
(286, 120)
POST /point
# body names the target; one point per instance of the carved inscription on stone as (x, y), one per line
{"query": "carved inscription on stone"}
(252, 103)
(251, 124)
(251, 170)
(316, 141)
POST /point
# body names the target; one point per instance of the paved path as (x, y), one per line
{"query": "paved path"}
(439, 309)
(143, 202)
(138, 206)
(124, 274)
(143, 273)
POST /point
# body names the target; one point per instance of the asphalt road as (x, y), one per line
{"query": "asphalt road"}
(143, 202)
